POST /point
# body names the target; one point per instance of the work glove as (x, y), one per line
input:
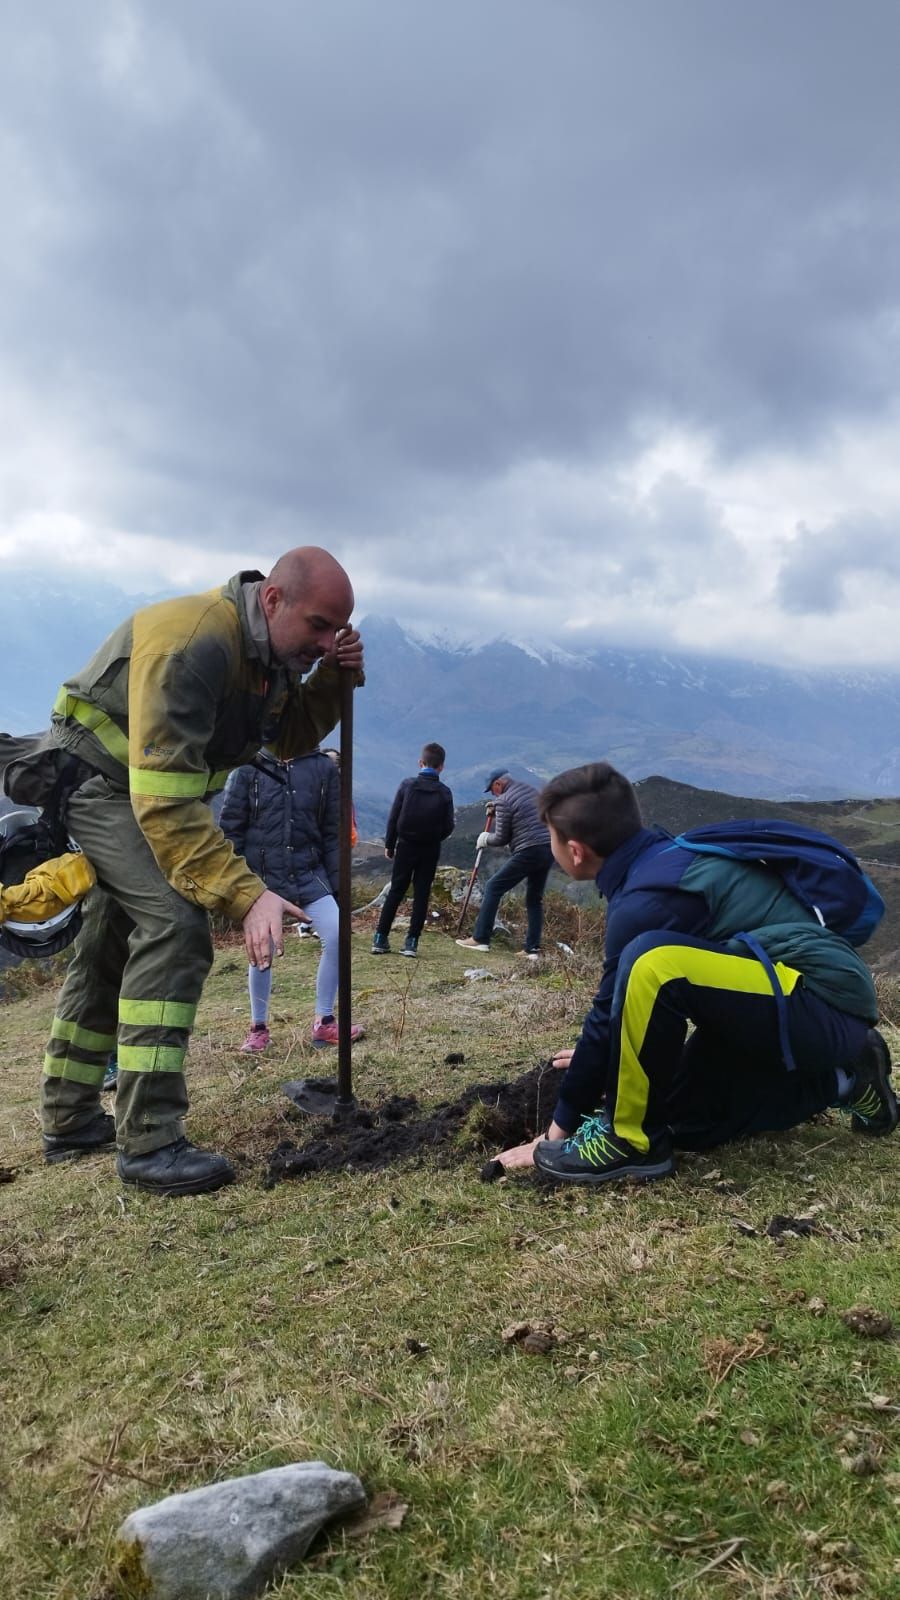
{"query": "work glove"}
(482, 841)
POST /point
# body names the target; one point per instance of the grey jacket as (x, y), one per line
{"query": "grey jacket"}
(516, 820)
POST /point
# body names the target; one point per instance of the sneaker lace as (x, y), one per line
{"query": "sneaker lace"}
(592, 1139)
(867, 1106)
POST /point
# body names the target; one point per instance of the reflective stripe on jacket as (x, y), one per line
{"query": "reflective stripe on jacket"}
(177, 696)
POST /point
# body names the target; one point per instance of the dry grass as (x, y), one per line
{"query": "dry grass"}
(688, 1434)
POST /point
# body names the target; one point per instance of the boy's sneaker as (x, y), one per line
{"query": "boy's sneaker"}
(597, 1155)
(257, 1039)
(472, 944)
(873, 1107)
(410, 946)
(110, 1076)
(327, 1032)
(380, 946)
(529, 955)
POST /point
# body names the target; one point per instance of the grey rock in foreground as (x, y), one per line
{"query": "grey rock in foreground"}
(226, 1541)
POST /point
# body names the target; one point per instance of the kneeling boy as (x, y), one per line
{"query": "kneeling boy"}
(636, 1085)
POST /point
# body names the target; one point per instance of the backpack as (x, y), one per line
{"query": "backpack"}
(823, 874)
(423, 813)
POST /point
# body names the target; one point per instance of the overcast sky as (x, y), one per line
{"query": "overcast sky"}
(562, 319)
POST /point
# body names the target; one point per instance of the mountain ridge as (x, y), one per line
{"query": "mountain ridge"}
(714, 722)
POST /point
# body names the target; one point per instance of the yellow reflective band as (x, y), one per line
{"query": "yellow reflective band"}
(78, 1071)
(706, 969)
(96, 721)
(151, 1057)
(157, 1013)
(183, 785)
(83, 1037)
(217, 781)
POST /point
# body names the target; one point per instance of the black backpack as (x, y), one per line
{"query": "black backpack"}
(423, 814)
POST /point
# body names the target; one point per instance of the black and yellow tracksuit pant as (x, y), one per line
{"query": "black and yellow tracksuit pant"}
(729, 1079)
(133, 984)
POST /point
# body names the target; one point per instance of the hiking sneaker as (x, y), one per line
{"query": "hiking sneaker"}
(380, 946)
(110, 1076)
(529, 955)
(257, 1039)
(472, 944)
(595, 1154)
(410, 946)
(873, 1108)
(327, 1032)
(96, 1136)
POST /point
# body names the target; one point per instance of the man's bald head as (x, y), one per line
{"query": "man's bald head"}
(306, 599)
(307, 569)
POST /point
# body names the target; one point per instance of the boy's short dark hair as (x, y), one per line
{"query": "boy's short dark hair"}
(594, 804)
(433, 755)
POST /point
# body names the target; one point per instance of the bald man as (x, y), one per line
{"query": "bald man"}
(178, 696)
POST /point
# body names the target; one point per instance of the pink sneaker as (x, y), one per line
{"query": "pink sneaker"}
(327, 1033)
(257, 1039)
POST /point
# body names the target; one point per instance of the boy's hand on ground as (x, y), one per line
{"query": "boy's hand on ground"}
(560, 1059)
(521, 1155)
(264, 927)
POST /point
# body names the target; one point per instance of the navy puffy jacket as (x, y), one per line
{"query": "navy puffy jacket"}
(283, 817)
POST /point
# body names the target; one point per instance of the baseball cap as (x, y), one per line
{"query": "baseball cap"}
(498, 772)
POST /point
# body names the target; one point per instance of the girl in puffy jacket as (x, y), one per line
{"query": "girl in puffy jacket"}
(283, 817)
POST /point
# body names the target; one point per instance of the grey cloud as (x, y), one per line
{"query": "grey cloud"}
(812, 578)
(340, 269)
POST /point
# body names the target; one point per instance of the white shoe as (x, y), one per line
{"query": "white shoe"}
(472, 944)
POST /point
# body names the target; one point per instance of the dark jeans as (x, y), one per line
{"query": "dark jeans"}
(533, 864)
(414, 864)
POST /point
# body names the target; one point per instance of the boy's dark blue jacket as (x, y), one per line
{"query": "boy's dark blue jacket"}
(653, 885)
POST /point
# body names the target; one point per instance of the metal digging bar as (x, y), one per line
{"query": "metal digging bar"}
(325, 1097)
(474, 874)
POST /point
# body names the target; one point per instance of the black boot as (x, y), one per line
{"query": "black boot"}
(178, 1168)
(97, 1135)
(873, 1105)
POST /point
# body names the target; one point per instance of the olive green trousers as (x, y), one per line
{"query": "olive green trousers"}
(133, 984)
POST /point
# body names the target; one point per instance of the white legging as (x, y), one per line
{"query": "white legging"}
(324, 915)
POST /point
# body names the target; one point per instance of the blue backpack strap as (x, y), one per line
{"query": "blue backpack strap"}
(756, 949)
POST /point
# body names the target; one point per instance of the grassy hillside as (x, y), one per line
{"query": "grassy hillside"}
(705, 1426)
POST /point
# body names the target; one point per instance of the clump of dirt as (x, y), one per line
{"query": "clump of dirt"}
(486, 1116)
(867, 1322)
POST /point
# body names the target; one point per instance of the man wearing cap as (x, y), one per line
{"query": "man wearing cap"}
(516, 824)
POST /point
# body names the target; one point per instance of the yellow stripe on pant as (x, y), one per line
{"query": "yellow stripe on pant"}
(664, 963)
(77, 1053)
(144, 1015)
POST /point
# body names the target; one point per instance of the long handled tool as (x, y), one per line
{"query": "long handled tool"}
(474, 874)
(323, 1097)
(345, 1101)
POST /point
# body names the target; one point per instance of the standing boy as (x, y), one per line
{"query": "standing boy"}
(421, 818)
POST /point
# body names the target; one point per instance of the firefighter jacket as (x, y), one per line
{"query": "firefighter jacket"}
(178, 696)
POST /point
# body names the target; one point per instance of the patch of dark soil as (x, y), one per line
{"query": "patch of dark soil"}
(487, 1116)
